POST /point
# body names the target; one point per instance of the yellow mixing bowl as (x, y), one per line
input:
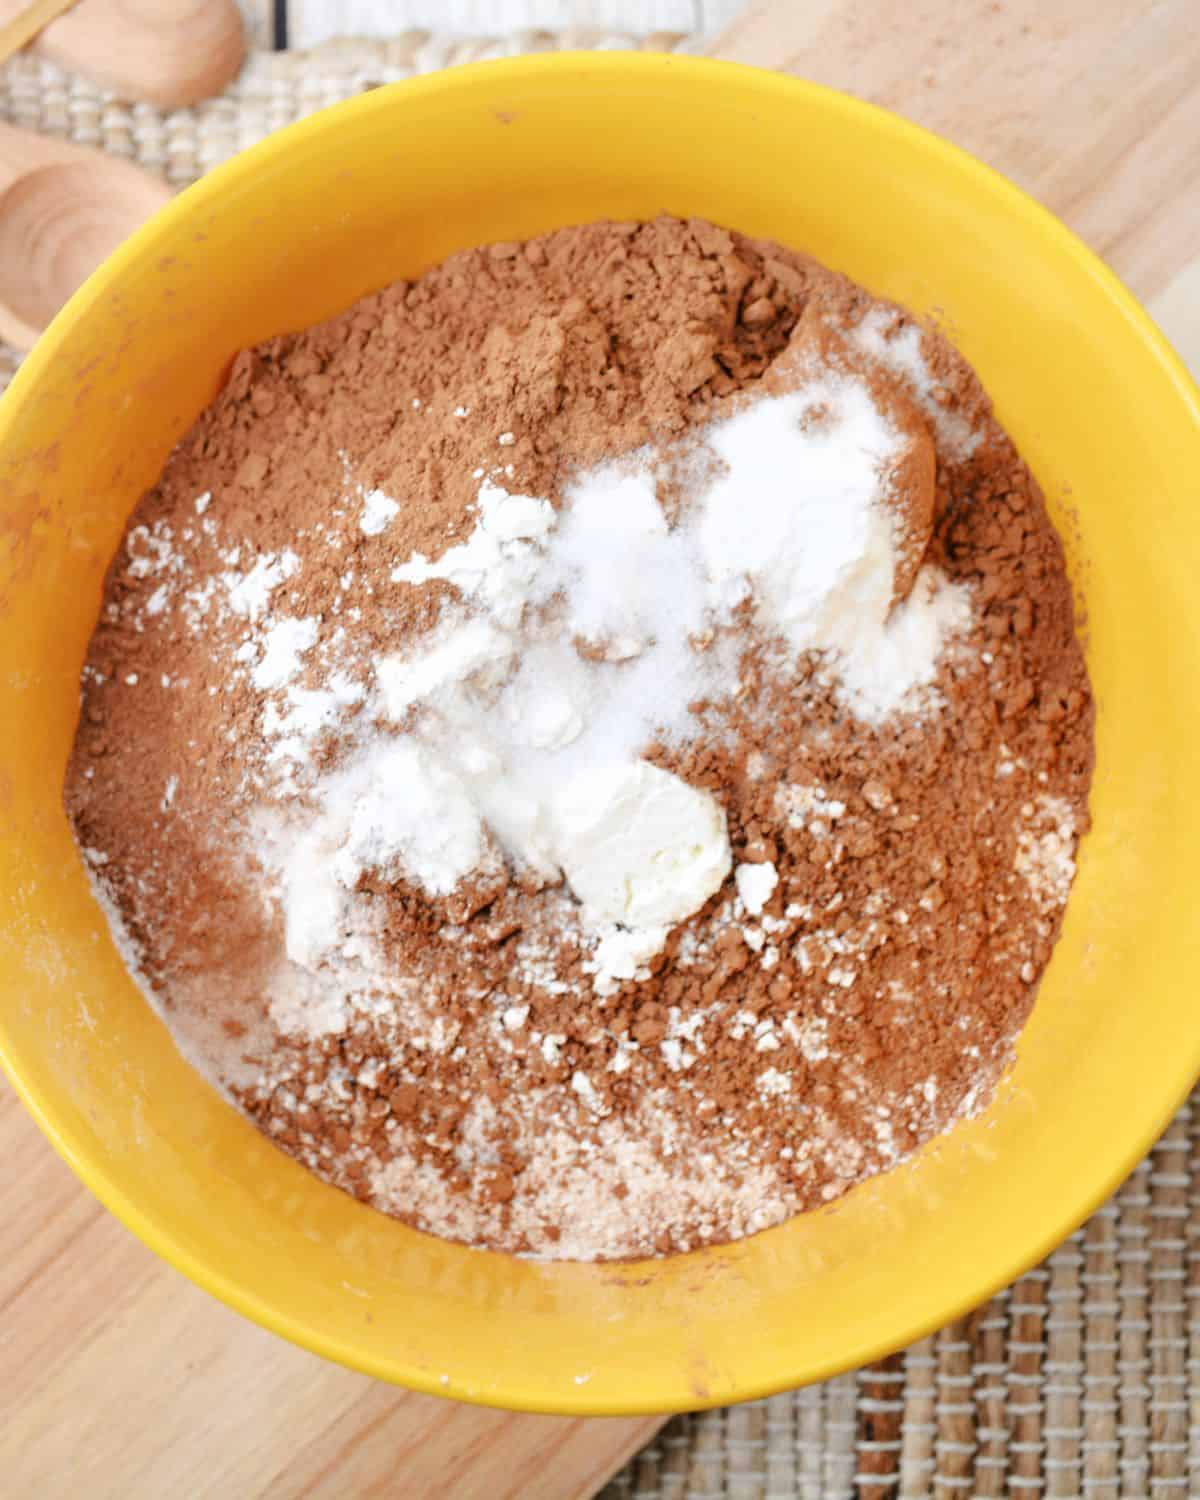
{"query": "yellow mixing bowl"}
(377, 189)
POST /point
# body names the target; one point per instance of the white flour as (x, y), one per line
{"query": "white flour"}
(580, 636)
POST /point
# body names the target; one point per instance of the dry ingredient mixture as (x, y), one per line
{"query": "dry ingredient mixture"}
(588, 748)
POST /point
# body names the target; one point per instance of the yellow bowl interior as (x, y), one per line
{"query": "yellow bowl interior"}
(378, 189)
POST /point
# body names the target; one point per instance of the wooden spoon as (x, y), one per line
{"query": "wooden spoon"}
(21, 20)
(63, 209)
(818, 344)
(1020, 85)
(170, 53)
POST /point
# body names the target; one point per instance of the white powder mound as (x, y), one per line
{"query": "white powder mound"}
(638, 846)
(401, 811)
(622, 953)
(497, 562)
(394, 809)
(755, 886)
(630, 582)
(250, 594)
(462, 649)
(889, 663)
(548, 742)
(283, 647)
(309, 711)
(378, 513)
(796, 521)
(579, 637)
(799, 525)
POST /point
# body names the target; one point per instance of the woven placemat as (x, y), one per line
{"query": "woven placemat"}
(1083, 1379)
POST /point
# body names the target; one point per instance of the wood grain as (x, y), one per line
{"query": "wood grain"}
(1093, 106)
(122, 1381)
(63, 208)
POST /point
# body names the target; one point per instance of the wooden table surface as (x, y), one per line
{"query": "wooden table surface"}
(120, 1379)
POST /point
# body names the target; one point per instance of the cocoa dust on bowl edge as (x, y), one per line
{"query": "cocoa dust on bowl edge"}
(587, 749)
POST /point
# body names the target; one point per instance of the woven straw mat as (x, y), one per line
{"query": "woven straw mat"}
(1084, 1378)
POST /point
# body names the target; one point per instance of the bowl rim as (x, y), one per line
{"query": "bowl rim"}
(206, 193)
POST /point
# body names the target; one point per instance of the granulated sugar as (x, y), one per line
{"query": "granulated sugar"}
(616, 792)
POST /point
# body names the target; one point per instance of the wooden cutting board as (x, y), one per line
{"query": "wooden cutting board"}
(118, 1378)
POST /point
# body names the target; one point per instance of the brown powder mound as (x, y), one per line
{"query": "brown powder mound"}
(481, 1087)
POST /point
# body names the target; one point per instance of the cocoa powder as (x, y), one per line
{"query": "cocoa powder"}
(770, 1060)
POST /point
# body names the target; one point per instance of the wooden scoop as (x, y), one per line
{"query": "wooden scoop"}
(170, 53)
(63, 209)
(819, 344)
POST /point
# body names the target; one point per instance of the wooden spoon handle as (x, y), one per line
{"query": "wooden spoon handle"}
(21, 21)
